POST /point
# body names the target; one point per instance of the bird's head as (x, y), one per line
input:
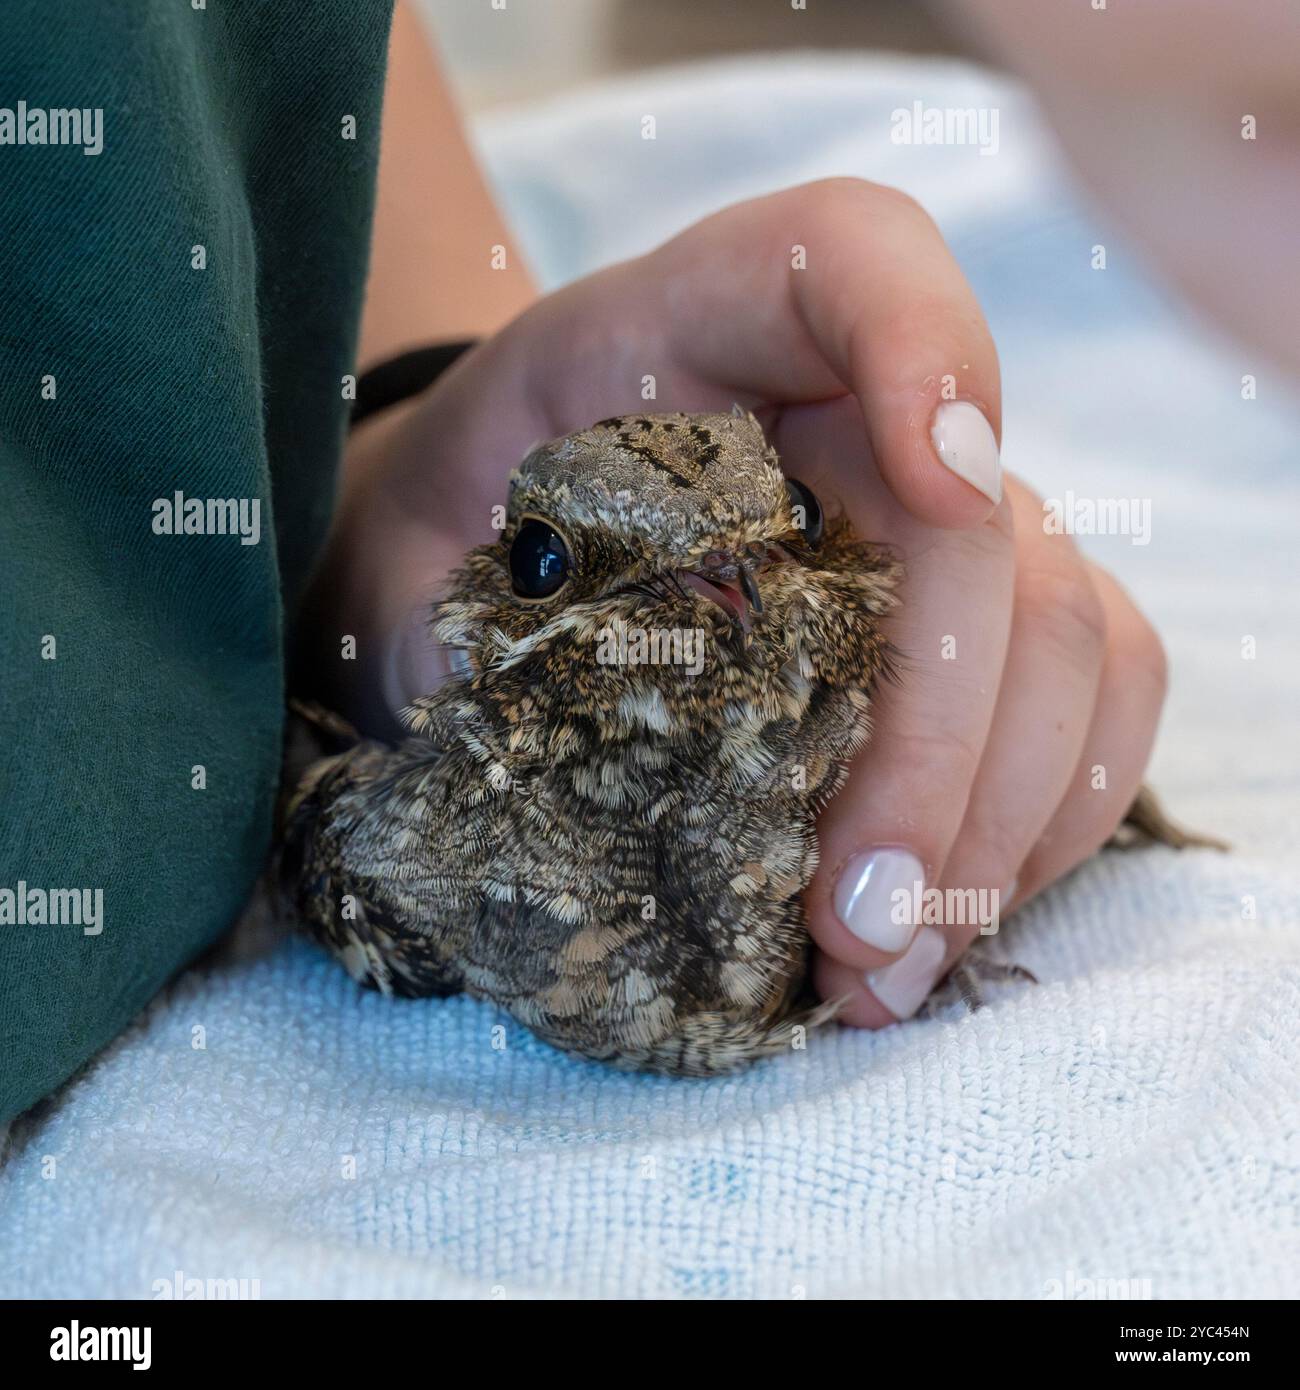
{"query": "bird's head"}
(657, 577)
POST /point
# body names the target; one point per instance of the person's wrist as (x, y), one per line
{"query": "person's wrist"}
(404, 376)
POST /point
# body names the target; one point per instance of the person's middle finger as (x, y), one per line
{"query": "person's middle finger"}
(889, 830)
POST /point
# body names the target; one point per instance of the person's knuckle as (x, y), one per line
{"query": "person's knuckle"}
(940, 760)
(1061, 606)
(1140, 652)
(842, 191)
(1093, 819)
(900, 203)
(998, 844)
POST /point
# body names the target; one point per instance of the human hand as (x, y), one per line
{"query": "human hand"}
(880, 318)
(1006, 754)
(850, 362)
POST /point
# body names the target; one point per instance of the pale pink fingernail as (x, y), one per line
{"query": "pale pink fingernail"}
(905, 984)
(965, 443)
(875, 896)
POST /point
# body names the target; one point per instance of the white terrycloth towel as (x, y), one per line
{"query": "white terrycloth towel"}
(1128, 1127)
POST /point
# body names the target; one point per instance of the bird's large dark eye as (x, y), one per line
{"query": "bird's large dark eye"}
(539, 560)
(807, 510)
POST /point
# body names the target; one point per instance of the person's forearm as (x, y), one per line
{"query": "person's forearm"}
(432, 274)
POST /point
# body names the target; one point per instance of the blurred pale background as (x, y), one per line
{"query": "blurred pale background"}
(534, 47)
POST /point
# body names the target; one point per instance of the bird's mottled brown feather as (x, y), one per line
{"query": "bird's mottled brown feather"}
(612, 852)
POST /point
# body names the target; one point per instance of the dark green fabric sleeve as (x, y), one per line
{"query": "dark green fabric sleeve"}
(142, 671)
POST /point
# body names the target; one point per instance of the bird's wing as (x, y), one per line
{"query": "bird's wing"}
(380, 855)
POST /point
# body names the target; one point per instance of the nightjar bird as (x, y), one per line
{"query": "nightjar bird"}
(603, 821)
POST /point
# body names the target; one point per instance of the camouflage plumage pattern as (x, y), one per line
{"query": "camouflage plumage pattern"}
(614, 852)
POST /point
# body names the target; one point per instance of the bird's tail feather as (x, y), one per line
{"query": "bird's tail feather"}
(712, 1044)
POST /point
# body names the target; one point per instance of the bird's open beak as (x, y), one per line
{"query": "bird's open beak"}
(728, 581)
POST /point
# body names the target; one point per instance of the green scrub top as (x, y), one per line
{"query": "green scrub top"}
(186, 191)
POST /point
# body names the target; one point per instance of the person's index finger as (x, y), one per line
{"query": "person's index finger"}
(885, 837)
(845, 285)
